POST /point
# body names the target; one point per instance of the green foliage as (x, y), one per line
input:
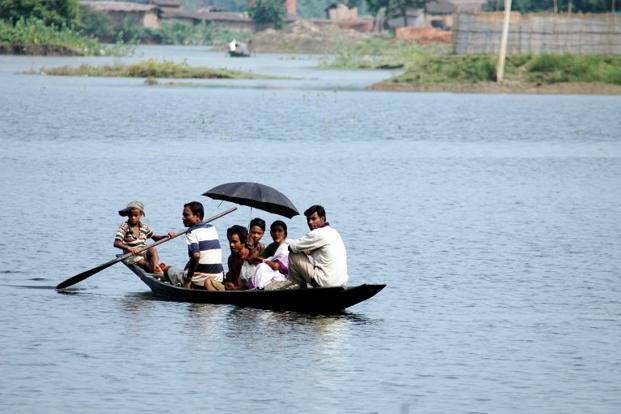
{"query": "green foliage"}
(33, 32)
(268, 13)
(51, 12)
(380, 52)
(450, 69)
(177, 33)
(547, 68)
(524, 6)
(97, 24)
(313, 8)
(149, 69)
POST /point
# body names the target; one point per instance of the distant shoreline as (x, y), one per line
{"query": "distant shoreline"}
(37, 50)
(569, 88)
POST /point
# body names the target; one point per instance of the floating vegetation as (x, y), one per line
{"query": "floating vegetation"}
(150, 69)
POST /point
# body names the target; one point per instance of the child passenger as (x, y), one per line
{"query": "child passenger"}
(132, 236)
(255, 233)
(237, 237)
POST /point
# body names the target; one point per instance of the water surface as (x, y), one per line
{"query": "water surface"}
(494, 220)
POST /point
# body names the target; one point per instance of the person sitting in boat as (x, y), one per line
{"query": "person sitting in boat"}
(324, 244)
(204, 269)
(132, 236)
(238, 237)
(255, 234)
(233, 46)
(271, 273)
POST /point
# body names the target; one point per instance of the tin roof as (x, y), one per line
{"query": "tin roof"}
(120, 6)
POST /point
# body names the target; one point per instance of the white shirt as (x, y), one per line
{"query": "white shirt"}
(328, 252)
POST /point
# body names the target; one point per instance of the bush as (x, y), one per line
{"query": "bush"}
(29, 32)
(58, 13)
(97, 24)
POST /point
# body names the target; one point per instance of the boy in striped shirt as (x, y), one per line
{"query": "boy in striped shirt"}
(132, 236)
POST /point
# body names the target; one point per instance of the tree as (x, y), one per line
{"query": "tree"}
(268, 13)
(52, 12)
(96, 23)
(396, 7)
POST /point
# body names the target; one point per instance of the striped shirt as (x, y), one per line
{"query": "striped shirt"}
(126, 235)
(203, 238)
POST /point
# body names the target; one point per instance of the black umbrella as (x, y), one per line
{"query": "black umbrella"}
(255, 195)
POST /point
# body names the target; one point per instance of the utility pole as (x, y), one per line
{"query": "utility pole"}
(502, 54)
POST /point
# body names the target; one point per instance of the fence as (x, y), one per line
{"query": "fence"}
(538, 33)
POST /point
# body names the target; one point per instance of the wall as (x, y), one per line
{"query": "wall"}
(538, 33)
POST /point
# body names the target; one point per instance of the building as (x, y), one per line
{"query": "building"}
(147, 15)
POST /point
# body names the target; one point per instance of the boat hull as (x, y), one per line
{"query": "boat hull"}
(321, 300)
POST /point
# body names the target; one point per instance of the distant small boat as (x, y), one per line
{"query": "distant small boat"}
(314, 300)
(238, 49)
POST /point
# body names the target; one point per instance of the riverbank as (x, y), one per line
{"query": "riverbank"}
(434, 68)
(33, 37)
(511, 87)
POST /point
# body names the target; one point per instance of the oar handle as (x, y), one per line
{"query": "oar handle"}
(180, 233)
(90, 272)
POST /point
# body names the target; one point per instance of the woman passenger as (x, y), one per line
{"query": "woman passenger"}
(272, 271)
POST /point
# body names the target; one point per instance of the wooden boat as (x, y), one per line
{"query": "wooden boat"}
(320, 300)
(240, 50)
(235, 53)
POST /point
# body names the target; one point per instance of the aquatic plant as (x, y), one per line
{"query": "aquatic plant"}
(150, 69)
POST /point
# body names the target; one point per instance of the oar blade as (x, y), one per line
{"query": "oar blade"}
(80, 277)
(84, 275)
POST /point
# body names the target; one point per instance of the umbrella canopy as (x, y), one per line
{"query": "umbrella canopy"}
(254, 195)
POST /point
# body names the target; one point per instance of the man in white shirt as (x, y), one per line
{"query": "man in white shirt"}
(325, 246)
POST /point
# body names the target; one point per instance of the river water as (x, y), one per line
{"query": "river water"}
(495, 220)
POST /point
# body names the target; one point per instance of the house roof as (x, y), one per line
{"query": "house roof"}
(120, 6)
(468, 5)
(209, 16)
(440, 7)
(166, 3)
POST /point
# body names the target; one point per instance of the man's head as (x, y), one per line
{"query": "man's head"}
(237, 236)
(193, 213)
(256, 230)
(315, 216)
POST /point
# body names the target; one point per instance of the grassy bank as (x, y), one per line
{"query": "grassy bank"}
(429, 67)
(539, 69)
(149, 69)
(33, 37)
(381, 52)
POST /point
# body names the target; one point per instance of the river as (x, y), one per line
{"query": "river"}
(495, 221)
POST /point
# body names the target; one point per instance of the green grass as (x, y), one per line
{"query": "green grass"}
(379, 52)
(539, 69)
(575, 68)
(149, 69)
(432, 64)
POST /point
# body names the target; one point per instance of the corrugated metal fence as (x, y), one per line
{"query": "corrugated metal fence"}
(538, 33)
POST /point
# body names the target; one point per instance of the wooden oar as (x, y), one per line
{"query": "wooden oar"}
(81, 276)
